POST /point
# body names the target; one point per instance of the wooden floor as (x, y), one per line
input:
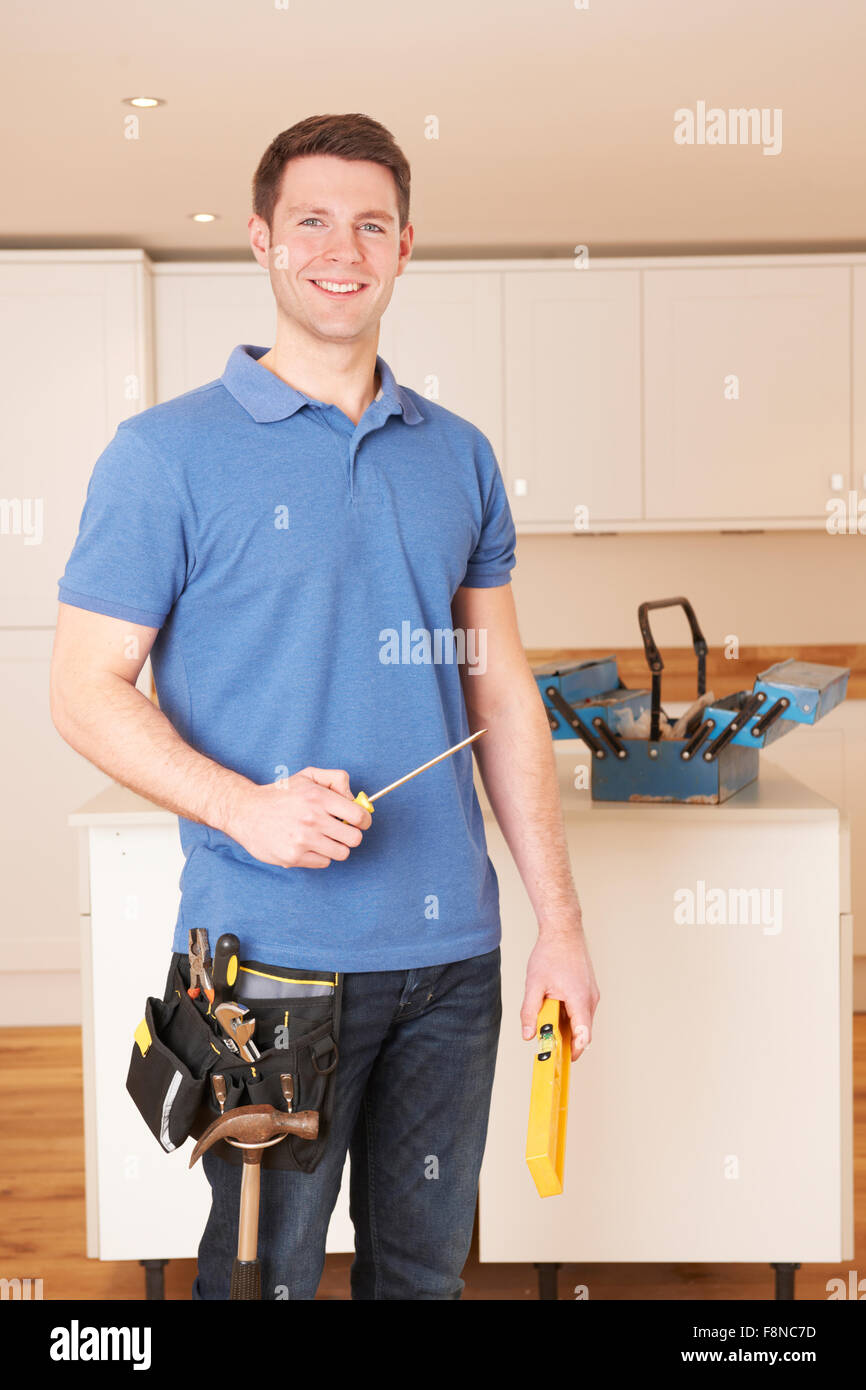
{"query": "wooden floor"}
(42, 1233)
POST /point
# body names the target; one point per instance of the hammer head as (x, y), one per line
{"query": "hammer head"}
(256, 1124)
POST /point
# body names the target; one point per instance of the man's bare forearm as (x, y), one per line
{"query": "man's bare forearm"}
(121, 731)
(518, 770)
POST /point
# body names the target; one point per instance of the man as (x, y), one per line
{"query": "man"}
(265, 538)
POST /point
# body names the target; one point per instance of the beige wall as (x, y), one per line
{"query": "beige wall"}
(771, 587)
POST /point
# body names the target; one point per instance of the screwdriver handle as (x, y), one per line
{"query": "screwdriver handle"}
(363, 800)
(225, 965)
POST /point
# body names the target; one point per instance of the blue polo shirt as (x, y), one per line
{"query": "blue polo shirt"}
(300, 569)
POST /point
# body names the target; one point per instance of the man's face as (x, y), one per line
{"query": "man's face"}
(335, 221)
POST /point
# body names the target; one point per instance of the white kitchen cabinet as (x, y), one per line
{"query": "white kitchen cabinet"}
(603, 390)
(831, 759)
(572, 396)
(75, 361)
(441, 335)
(42, 778)
(747, 395)
(710, 1119)
(201, 313)
(858, 379)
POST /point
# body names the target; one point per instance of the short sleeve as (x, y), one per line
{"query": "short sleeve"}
(492, 560)
(130, 557)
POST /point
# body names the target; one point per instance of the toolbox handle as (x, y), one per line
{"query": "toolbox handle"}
(653, 655)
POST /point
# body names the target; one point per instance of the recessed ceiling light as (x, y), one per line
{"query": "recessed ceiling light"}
(203, 216)
(143, 101)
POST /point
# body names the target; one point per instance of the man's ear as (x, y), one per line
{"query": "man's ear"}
(260, 239)
(407, 236)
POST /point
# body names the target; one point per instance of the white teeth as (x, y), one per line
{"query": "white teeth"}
(335, 288)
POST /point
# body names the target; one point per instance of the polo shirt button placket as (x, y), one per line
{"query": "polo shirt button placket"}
(371, 489)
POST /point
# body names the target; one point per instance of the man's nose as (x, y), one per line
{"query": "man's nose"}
(342, 244)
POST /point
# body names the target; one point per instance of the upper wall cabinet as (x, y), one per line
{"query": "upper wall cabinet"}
(746, 392)
(441, 335)
(202, 313)
(74, 359)
(641, 396)
(859, 378)
(572, 396)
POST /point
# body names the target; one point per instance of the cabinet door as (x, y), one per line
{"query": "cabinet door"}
(43, 781)
(858, 482)
(572, 396)
(441, 335)
(831, 759)
(747, 392)
(201, 317)
(73, 360)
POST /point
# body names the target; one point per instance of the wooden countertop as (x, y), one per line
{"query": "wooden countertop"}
(723, 677)
(679, 676)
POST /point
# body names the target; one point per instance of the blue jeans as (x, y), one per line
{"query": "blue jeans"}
(413, 1084)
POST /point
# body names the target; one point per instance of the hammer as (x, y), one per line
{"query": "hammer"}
(253, 1128)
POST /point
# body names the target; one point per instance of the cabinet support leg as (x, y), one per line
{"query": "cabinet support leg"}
(547, 1281)
(784, 1280)
(154, 1278)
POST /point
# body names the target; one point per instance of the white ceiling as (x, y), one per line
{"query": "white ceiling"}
(556, 124)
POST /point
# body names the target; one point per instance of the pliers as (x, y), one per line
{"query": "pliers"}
(199, 965)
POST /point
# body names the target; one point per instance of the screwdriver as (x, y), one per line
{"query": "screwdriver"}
(225, 965)
(367, 801)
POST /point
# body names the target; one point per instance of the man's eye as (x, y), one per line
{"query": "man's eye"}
(374, 225)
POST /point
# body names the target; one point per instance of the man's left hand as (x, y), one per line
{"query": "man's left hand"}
(560, 968)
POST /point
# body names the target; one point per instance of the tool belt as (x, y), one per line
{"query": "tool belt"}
(179, 1049)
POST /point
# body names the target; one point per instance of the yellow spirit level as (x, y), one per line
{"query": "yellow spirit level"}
(548, 1102)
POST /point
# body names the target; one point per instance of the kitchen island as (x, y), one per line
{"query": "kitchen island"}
(710, 1118)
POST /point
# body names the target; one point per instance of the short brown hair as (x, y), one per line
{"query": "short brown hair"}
(352, 136)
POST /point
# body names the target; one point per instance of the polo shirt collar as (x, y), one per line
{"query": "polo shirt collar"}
(267, 398)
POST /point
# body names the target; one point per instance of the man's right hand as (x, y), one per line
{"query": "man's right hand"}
(298, 822)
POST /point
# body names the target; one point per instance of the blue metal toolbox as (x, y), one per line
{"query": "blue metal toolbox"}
(587, 686)
(637, 752)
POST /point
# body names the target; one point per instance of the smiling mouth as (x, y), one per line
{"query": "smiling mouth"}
(339, 289)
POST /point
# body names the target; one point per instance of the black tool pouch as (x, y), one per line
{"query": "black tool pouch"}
(179, 1048)
(173, 1053)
